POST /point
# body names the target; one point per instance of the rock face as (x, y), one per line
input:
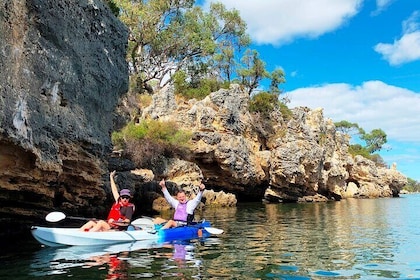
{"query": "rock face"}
(63, 70)
(292, 159)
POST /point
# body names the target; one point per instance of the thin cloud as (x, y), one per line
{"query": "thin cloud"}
(407, 48)
(281, 21)
(372, 105)
(382, 5)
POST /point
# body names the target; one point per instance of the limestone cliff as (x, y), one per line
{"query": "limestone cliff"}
(62, 71)
(299, 158)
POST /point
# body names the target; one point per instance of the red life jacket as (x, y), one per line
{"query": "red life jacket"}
(115, 212)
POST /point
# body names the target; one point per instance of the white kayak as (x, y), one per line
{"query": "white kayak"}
(74, 236)
(54, 237)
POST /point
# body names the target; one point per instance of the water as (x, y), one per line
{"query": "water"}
(350, 239)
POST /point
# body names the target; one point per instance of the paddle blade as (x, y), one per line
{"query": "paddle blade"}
(143, 222)
(213, 230)
(55, 217)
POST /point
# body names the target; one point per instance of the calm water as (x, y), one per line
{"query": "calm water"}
(351, 239)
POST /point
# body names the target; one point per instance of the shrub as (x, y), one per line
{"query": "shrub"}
(144, 100)
(285, 111)
(145, 153)
(117, 139)
(357, 149)
(148, 140)
(412, 185)
(199, 90)
(265, 102)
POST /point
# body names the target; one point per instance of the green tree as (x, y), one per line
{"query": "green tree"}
(347, 127)
(169, 35)
(277, 78)
(252, 71)
(224, 63)
(374, 140)
(412, 185)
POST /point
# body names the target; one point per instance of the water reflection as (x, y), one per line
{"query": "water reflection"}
(177, 260)
(351, 239)
(348, 239)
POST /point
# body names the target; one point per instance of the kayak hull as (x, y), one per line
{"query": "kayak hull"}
(55, 237)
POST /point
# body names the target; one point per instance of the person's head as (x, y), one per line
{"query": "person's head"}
(125, 195)
(181, 197)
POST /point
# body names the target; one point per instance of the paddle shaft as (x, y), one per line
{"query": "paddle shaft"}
(80, 218)
(121, 224)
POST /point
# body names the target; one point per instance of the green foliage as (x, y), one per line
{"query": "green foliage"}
(346, 127)
(358, 149)
(199, 89)
(113, 7)
(374, 140)
(117, 138)
(252, 70)
(412, 185)
(277, 78)
(180, 82)
(165, 132)
(224, 62)
(264, 103)
(147, 141)
(285, 111)
(167, 36)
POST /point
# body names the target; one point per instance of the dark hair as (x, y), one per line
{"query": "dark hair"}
(179, 190)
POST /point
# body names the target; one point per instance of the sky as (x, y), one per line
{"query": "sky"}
(357, 59)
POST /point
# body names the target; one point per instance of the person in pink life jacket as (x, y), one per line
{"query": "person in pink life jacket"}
(184, 208)
(120, 214)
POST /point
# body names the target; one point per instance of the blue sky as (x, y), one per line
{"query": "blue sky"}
(357, 59)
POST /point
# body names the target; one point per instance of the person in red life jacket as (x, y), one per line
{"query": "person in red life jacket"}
(120, 214)
(184, 208)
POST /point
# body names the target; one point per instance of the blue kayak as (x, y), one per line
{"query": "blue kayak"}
(185, 232)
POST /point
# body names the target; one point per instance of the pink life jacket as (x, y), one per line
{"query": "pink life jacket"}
(181, 212)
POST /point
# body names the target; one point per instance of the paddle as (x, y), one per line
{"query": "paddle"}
(214, 230)
(59, 216)
(149, 221)
(141, 222)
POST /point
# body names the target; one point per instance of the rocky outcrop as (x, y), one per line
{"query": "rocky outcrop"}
(63, 70)
(292, 159)
(225, 144)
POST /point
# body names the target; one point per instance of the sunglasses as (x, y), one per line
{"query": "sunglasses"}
(125, 197)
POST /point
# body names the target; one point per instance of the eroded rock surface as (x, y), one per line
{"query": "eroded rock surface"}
(298, 158)
(62, 71)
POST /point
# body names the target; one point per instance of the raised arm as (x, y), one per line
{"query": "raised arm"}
(192, 204)
(172, 201)
(114, 187)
